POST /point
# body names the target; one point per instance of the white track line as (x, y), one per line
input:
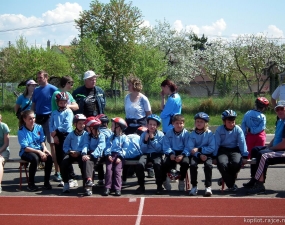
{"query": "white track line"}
(139, 216)
(176, 216)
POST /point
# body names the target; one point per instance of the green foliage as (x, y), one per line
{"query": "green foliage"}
(149, 65)
(86, 54)
(117, 26)
(23, 62)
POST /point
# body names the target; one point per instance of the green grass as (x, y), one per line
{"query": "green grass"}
(213, 106)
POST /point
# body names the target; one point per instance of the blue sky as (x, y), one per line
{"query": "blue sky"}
(225, 18)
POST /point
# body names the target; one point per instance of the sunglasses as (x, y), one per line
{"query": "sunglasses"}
(279, 109)
(70, 82)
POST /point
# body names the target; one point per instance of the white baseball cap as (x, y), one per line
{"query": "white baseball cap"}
(89, 74)
(281, 104)
(31, 82)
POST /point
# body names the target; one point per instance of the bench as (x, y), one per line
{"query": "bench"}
(23, 165)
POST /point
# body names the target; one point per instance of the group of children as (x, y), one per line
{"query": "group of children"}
(91, 143)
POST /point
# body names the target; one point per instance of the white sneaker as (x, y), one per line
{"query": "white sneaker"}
(181, 185)
(208, 191)
(65, 188)
(73, 183)
(166, 184)
(61, 184)
(0, 190)
(194, 191)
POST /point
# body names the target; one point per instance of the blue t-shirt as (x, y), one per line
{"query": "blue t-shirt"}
(22, 101)
(42, 99)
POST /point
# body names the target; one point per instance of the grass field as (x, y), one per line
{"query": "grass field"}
(213, 106)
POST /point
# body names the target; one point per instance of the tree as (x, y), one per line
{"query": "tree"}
(253, 54)
(149, 65)
(21, 62)
(86, 54)
(117, 26)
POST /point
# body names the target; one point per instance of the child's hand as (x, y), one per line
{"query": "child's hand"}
(179, 158)
(85, 158)
(172, 157)
(118, 160)
(110, 158)
(194, 150)
(56, 140)
(74, 154)
(203, 157)
(146, 136)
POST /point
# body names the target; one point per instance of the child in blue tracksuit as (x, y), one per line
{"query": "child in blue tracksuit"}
(176, 148)
(107, 133)
(33, 149)
(114, 157)
(92, 150)
(72, 150)
(253, 125)
(151, 147)
(202, 146)
(230, 149)
(60, 125)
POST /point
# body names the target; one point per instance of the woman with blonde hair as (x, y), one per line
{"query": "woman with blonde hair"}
(137, 106)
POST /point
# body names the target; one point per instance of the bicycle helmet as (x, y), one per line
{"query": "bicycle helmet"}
(261, 102)
(154, 117)
(103, 118)
(203, 116)
(61, 96)
(140, 130)
(92, 122)
(121, 122)
(174, 174)
(229, 114)
(79, 117)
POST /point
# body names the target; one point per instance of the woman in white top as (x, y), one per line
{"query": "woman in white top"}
(137, 106)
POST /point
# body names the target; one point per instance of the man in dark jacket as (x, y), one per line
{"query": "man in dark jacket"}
(90, 98)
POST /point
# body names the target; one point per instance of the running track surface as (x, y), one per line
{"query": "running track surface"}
(140, 210)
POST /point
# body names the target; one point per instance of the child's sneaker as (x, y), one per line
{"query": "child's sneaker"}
(72, 183)
(47, 186)
(100, 183)
(60, 184)
(194, 191)
(150, 173)
(166, 184)
(181, 185)
(233, 188)
(208, 191)
(88, 192)
(57, 177)
(89, 183)
(32, 187)
(257, 189)
(65, 188)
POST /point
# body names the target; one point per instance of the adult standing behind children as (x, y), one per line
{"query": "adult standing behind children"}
(4, 147)
(66, 84)
(24, 101)
(89, 97)
(254, 123)
(172, 106)
(42, 106)
(137, 106)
